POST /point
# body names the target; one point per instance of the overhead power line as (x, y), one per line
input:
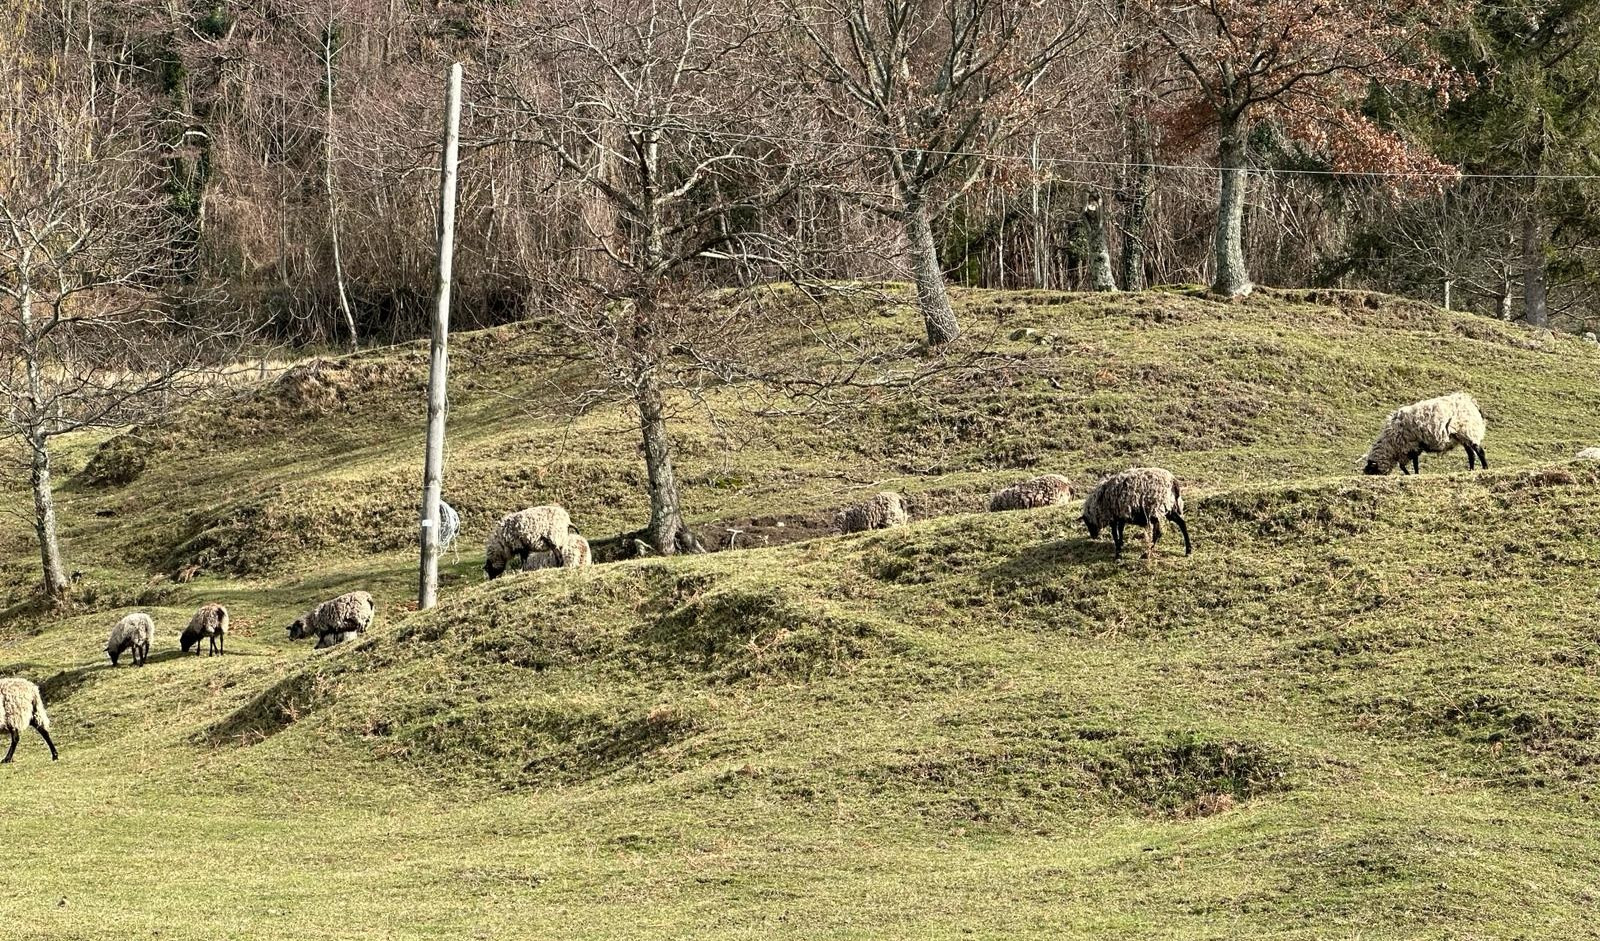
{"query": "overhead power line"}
(1070, 160)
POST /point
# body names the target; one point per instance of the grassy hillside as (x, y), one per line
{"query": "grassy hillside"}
(1364, 707)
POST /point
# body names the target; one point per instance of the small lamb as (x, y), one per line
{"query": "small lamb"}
(132, 633)
(573, 554)
(22, 706)
(1432, 425)
(211, 621)
(1143, 496)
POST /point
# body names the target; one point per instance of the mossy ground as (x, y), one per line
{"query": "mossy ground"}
(1364, 707)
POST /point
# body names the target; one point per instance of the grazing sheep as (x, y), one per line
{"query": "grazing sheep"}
(22, 706)
(1048, 490)
(336, 620)
(131, 633)
(211, 621)
(1588, 454)
(1432, 425)
(1143, 496)
(882, 511)
(536, 529)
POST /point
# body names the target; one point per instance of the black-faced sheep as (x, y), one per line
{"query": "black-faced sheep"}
(210, 622)
(336, 620)
(1143, 496)
(1432, 425)
(519, 534)
(21, 706)
(1047, 490)
(882, 511)
(132, 634)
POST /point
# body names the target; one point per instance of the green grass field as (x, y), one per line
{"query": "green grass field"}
(1364, 708)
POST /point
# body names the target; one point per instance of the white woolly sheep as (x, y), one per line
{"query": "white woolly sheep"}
(1043, 491)
(536, 529)
(336, 620)
(1588, 454)
(1432, 425)
(21, 706)
(132, 633)
(882, 511)
(1143, 496)
(210, 622)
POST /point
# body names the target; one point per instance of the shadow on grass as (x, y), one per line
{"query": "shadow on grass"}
(1046, 558)
(64, 685)
(286, 702)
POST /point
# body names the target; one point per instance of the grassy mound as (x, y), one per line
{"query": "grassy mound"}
(1363, 706)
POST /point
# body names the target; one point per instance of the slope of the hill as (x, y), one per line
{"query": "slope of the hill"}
(1363, 707)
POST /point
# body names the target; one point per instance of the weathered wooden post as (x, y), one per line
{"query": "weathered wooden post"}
(438, 359)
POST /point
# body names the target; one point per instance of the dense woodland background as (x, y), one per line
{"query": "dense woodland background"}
(296, 145)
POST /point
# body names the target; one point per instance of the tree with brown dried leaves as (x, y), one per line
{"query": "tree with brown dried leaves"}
(1307, 69)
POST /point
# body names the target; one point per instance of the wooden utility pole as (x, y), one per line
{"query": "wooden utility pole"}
(438, 360)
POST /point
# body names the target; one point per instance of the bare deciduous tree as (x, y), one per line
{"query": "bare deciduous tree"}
(86, 248)
(927, 82)
(651, 117)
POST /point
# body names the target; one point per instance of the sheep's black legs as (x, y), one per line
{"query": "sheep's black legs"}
(1183, 527)
(13, 749)
(1416, 462)
(44, 734)
(1483, 459)
(1116, 539)
(1472, 456)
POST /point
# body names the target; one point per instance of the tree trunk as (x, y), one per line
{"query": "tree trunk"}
(1232, 279)
(932, 298)
(666, 532)
(1101, 278)
(1137, 185)
(1502, 300)
(1133, 226)
(327, 181)
(1534, 310)
(44, 521)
